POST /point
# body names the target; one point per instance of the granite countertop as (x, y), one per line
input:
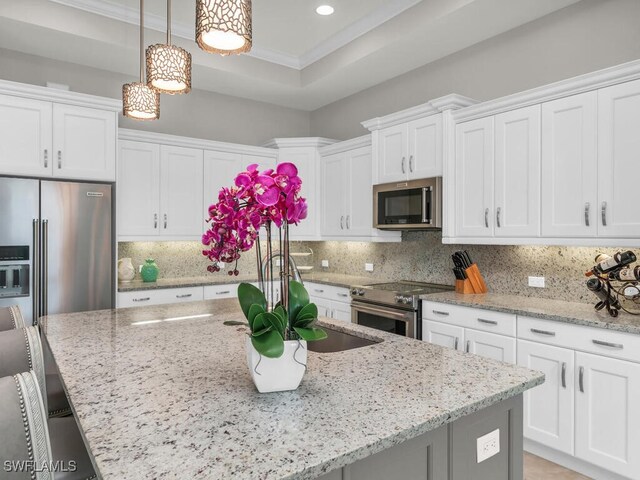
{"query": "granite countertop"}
(557, 310)
(327, 278)
(158, 395)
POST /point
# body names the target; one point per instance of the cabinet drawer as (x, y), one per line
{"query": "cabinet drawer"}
(138, 299)
(578, 337)
(476, 318)
(213, 292)
(179, 295)
(328, 292)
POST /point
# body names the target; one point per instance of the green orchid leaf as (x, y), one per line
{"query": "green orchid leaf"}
(276, 322)
(281, 312)
(230, 323)
(254, 310)
(309, 311)
(248, 295)
(304, 323)
(298, 299)
(270, 344)
(262, 331)
(311, 334)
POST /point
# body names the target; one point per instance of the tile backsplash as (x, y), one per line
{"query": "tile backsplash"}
(420, 256)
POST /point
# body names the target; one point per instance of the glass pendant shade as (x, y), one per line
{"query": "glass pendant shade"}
(140, 102)
(223, 26)
(169, 69)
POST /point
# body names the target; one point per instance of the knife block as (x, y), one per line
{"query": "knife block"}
(474, 283)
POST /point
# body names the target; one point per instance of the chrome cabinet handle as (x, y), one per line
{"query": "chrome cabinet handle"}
(619, 346)
(186, 295)
(342, 222)
(455, 344)
(404, 170)
(46, 158)
(348, 222)
(564, 374)
(486, 218)
(155, 220)
(342, 294)
(165, 221)
(466, 349)
(44, 269)
(581, 379)
(145, 299)
(498, 217)
(604, 214)
(543, 332)
(438, 312)
(587, 206)
(488, 322)
(318, 290)
(36, 270)
(226, 292)
(411, 163)
(59, 159)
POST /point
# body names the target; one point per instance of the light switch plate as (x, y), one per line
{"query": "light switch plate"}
(537, 282)
(488, 445)
(368, 267)
(325, 263)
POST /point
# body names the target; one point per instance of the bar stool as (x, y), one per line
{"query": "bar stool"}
(11, 318)
(26, 435)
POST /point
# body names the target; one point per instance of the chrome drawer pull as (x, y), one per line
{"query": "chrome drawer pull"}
(619, 346)
(145, 299)
(317, 290)
(544, 332)
(564, 375)
(342, 294)
(581, 379)
(455, 344)
(488, 322)
(226, 292)
(438, 312)
(186, 295)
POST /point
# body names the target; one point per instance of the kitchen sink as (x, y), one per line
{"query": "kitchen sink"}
(337, 341)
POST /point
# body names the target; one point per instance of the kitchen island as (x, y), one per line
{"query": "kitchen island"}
(164, 392)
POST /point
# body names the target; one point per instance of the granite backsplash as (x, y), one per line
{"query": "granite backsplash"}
(420, 256)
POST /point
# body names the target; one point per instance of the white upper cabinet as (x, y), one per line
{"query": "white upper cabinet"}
(220, 170)
(359, 192)
(393, 153)
(570, 166)
(474, 178)
(138, 189)
(263, 162)
(334, 198)
(181, 185)
(618, 160)
(84, 143)
(425, 147)
(517, 173)
(25, 136)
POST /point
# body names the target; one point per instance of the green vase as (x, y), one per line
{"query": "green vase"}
(149, 271)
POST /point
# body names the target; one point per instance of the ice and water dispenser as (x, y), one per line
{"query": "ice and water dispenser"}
(14, 271)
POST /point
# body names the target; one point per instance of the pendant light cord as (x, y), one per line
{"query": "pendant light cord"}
(168, 22)
(142, 41)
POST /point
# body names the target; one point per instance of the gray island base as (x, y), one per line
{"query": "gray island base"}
(164, 392)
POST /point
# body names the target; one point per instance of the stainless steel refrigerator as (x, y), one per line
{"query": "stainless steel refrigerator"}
(55, 246)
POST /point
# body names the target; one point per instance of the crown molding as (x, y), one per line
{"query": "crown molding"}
(298, 142)
(179, 141)
(448, 102)
(47, 94)
(346, 145)
(583, 83)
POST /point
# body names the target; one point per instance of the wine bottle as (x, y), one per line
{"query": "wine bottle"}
(626, 274)
(610, 264)
(597, 286)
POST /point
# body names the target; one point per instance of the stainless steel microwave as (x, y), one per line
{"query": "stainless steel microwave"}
(410, 205)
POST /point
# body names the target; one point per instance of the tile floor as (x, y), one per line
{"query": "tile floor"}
(536, 468)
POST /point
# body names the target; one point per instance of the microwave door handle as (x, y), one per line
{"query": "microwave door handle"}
(425, 217)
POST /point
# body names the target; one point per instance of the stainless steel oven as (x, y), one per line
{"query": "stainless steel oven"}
(410, 205)
(389, 319)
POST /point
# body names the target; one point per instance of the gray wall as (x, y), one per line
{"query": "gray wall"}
(584, 37)
(200, 114)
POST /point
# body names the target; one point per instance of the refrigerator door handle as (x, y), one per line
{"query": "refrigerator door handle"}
(35, 276)
(44, 309)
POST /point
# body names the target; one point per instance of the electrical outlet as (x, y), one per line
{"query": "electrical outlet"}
(537, 282)
(325, 263)
(488, 445)
(368, 267)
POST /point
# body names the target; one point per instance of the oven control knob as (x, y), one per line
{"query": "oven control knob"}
(406, 300)
(361, 292)
(398, 298)
(354, 291)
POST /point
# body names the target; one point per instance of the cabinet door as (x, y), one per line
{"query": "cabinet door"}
(84, 143)
(425, 147)
(618, 165)
(474, 178)
(548, 408)
(570, 166)
(517, 173)
(443, 334)
(341, 311)
(25, 137)
(334, 188)
(138, 194)
(181, 191)
(607, 413)
(359, 219)
(220, 170)
(305, 158)
(324, 306)
(392, 154)
(490, 345)
(264, 163)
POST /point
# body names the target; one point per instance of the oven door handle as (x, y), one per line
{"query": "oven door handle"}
(425, 218)
(387, 313)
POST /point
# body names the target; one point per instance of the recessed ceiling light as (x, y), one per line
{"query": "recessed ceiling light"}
(324, 10)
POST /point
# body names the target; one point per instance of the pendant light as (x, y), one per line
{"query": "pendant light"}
(138, 100)
(223, 26)
(169, 66)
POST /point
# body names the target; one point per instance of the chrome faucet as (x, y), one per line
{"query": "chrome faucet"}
(294, 273)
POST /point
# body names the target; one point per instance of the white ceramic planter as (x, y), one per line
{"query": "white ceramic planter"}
(277, 374)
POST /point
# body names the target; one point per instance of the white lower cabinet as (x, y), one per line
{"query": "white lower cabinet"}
(216, 292)
(442, 334)
(332, 302)
(549, 408)
(160, 296)
(608, 413)
(490, 345)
